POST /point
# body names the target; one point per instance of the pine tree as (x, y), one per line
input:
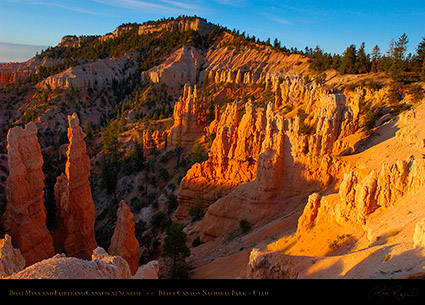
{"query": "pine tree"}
(363, 60)
(376, 55)
(276, 44)
(349, 60)
(420, 59)
(398, 59)
(176, 249)
(420, 51)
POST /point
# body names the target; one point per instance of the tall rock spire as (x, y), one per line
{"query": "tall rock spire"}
(124, 242)
(75, 206)
(25, 211)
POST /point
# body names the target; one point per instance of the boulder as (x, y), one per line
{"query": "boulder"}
(101, 266)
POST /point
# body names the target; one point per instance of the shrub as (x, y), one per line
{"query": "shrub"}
(244, 225)
(369, 120)
(196, 211)
(196, 242)
(417, 92)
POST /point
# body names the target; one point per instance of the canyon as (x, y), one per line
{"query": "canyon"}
(272, 173)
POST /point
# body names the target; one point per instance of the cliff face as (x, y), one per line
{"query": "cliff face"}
(98, 73)
(250, 65)
(179, 68)
(75, 207)
(25, 211)
(195, 24)
(12, 72)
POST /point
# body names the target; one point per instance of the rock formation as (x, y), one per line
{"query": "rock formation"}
(286, 162)
(25, 211)
(268, 266)
(149, 271)
(93, 74)
(156, 139)
(179, 68)
(101, 266)
(11, 259)
(124, 242)
(359, 197)
(419, 235)
(232, 159)
(189, 119)
(245, 202)
(75, 207)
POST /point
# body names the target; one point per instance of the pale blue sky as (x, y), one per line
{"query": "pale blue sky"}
(333, 25)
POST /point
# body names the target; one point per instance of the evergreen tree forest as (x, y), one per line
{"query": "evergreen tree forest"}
(395, 62)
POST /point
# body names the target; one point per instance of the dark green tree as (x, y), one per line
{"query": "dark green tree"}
(196, 211)
(109, 175)
(363, 60)
(420, 51)
(276, 44)
(349, 61)
(88, 130)
(175, 248)
(137, 156)
(110, 142)
(376, 56)
(420, 59)
(398, 59)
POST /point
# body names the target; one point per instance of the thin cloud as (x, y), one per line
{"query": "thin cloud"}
(234, 3)
(277, 19)
(181, 4)
(68, 7)
(281, 20)
(168, 6)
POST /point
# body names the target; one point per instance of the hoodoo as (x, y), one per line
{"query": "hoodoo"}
(75, 207)
(25, 211)
(123, 242)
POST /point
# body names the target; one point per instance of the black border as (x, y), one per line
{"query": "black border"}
(376, 291)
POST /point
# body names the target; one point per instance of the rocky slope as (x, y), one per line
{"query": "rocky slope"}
(372, 225)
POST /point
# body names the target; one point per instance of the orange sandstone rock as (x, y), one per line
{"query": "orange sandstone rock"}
(289, 164)
(25, 211)
(11, 259)
(189, 119)
(76, 212)
(419, 235)
(124, 242)
(232, 159)
(251, 201)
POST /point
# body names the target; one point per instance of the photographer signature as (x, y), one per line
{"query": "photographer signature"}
(394, 292)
